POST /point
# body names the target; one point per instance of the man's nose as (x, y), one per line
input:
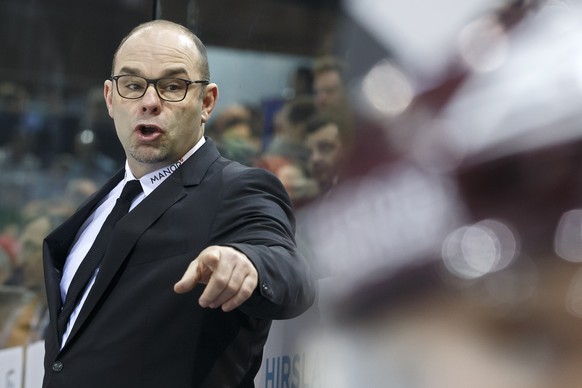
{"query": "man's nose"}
(315, 157)
(151, 101)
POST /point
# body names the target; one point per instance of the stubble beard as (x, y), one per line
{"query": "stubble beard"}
(149, 155)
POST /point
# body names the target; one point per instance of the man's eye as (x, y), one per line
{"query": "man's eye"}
(172, 86)
(326, 147)
(133, 86)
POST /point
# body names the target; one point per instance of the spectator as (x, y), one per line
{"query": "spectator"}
(329, 85)
(31, 319)
(289, 139)
(236, 133)
(299, 186)
(326, 143)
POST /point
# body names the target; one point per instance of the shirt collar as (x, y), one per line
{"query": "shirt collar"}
(152, 180)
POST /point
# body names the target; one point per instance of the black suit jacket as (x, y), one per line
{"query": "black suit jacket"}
(134, 330)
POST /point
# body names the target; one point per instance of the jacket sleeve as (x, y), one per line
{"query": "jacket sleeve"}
(256, 218)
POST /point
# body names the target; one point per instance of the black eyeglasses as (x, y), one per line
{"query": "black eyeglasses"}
(168, 89)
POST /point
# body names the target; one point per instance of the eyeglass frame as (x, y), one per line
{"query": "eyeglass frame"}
(154, 81)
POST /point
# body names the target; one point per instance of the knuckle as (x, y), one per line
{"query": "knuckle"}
(247, 289)
(211, 257)
(231, 257)
(245, 293)
(220, 280)
(231, 289)
(193, 265)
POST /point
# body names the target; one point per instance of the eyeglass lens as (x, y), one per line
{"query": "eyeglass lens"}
(170, 89)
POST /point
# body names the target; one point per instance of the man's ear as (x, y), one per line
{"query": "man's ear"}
(108, 95)
(209, 101)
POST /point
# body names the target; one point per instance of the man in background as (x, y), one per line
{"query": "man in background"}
(327, 148)
(329, 85)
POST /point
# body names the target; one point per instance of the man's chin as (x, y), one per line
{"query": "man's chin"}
(146, 156)
(321, 177)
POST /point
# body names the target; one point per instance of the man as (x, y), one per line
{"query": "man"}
(30, 321)
(188, 285)
(328, 85)
(289, 137)
(325, 143)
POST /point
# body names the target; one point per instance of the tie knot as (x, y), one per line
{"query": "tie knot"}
(131, 190)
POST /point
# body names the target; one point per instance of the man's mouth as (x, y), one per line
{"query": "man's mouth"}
(148, 132)
(148, 129)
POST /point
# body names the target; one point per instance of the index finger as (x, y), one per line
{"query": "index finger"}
(218, 282)
(190, 278)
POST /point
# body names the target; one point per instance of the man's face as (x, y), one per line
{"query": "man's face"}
(154, 132)
(326, 152)
(329, 90)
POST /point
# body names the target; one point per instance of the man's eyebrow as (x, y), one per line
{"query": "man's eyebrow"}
(172, 72)
(175, 72)
(129, 70)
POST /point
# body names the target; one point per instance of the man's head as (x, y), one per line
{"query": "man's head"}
(328, 85)
(294, 115)
(326, 147)
(159, 127)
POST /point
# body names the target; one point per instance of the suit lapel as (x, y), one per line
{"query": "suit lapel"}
(129, 229)
(60, 240)
(58, 243)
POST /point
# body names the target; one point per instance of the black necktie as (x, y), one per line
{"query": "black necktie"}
(96, 253)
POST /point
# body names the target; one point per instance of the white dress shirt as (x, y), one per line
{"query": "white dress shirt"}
(91, 227)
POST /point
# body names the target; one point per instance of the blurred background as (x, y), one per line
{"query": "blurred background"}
(432, 151)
